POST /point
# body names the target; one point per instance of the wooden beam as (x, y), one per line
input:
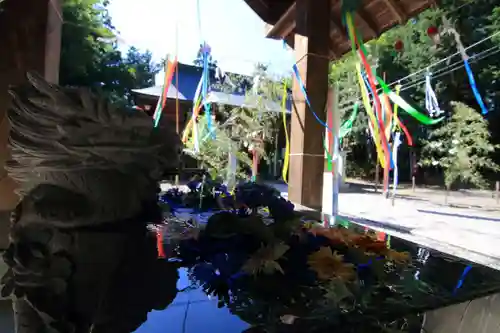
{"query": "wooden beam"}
(285, 25)
(260, 8)
(290, 40)
(396, 10)
(333, 50)
(363, 16)
(337, 25)
(306, 145)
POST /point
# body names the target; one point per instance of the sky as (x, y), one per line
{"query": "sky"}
(234, 32)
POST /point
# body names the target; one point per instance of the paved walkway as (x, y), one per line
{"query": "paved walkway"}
(469, 228)
(470, 233)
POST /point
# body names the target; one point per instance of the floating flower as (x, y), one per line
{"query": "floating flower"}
(265, 260)
(335, 235)
(398, 257)
(399, 45)
(288, 319)
(329, 265)
(370, 245)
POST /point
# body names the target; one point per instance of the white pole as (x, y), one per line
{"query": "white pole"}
(331, 178)
(336, 150)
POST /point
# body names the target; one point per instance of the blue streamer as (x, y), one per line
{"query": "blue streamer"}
(462, 278)
(204, 91)
(472, 82)
(371, 93)
(370, 262)
(303, 88)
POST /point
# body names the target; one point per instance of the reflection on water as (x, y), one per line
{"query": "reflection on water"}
(192, 311)
(116, 283)
(96, 280)
(295, 303)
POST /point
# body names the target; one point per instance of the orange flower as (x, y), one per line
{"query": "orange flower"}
(398, 257)
(329, 265)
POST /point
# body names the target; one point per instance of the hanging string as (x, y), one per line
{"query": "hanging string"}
(329, 156)
(198, 16)
(442, 71)
(304, 92)
(457, 65)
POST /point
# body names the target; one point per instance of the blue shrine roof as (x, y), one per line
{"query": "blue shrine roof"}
(185, 89)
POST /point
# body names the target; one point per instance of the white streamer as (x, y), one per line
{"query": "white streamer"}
(431, 103)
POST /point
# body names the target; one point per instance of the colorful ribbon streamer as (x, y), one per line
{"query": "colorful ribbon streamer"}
(286, 161)
(472, 82)
(396, 99)
(381, 143)
(304, 92)
(447, 28)
(346, 127)
(462, 278)
(205, 87)
(431, 103)
(372, 84)
(395, 173)
(169, 74)
(372, 118)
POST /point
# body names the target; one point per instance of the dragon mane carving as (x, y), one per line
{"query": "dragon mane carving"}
(88, 175)
(81, 161)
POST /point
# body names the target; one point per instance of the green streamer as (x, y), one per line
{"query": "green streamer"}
(345, 129)
(396, 99)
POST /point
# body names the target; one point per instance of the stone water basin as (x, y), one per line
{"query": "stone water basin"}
(433, 280)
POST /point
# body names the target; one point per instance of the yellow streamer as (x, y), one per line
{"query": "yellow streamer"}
(396, 120)
(365, 96)
(189, 126)
(287, 140)
(371, 115)
(389, 115)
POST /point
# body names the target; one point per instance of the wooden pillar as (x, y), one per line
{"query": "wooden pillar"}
(30, 35)
(312, 41)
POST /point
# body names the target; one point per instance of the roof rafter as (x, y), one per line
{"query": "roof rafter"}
(285, 25)
(396, 10)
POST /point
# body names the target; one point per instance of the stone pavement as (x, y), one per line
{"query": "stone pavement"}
(469, 233)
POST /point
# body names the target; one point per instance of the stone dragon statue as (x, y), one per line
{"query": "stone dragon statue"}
(88, 175)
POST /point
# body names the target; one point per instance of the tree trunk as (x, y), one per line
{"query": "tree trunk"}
(446, 194)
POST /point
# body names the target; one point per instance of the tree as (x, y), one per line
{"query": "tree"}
(461, 148)
(90, 56)
(212, 63)
(449, 79)
(241, 129)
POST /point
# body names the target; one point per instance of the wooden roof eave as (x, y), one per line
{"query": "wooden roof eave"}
(369, 18)
(285, 25)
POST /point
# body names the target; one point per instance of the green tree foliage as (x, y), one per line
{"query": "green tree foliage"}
(241, 129)
(214, 151)
(90, 56)
(475, 21)
(461, 148)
